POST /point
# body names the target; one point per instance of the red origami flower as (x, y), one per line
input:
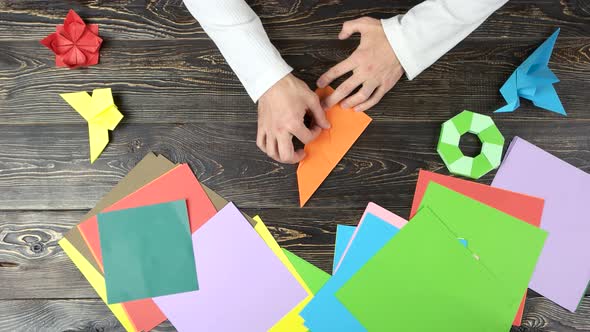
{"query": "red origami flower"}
(74, 43)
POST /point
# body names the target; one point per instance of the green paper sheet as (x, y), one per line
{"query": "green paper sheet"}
(507, 246)
(313, 276)
(147, 252)
(423, 279)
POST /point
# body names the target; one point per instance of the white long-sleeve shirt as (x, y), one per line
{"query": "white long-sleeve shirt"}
(418, 38)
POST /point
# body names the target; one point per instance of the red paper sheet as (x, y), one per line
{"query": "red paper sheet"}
(179, 183)
(524, 207)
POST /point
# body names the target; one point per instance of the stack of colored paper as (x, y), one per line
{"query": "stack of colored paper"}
(162, 246)
(458, 265)
(467, 256)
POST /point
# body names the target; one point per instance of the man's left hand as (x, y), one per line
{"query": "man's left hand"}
(374, 65)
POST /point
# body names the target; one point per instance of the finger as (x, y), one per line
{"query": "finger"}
(286, 151)
(261, 140)
(333, 73)
(299, 155)
(361, 96)
(316, 130)
(271, 147)
(318, 113)
(375, 98)
(342, 91)
(303, 134)
(350, 27)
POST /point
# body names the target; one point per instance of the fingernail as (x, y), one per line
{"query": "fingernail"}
(321, 84)
(344, 105)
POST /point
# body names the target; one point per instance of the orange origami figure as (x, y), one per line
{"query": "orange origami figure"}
(74, 43)
(324, 153)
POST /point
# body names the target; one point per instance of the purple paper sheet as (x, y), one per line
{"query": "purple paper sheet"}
(243, 286)
(563, 270)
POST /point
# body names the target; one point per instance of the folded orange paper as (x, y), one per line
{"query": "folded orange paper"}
(324, 153)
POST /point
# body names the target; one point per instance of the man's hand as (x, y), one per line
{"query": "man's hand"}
(281, 110)
(374, 65)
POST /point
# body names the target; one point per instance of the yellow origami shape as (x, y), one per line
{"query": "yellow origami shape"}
(100, 112)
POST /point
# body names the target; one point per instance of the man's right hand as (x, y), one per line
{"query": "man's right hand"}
(281, 111)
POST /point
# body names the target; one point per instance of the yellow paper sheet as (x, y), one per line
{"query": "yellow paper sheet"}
(291, 322)
(97, 282)
(101, 114)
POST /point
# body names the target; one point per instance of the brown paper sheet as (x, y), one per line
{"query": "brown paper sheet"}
(148, 169)
(220, 202)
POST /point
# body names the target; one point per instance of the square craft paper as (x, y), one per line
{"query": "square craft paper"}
(243, 285)
(147, 252)
(434, 284)
(563, 271)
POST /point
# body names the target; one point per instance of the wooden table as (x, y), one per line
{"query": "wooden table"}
(181, 99)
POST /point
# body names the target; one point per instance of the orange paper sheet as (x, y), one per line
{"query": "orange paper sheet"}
(524, 207)
(179, 183)
(324, 153)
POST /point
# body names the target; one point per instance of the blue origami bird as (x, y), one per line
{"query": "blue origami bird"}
(533, 80)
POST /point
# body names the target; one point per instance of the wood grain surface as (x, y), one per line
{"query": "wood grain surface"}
(150, 78)
(48, 168)
(308, 19)
(181, 99)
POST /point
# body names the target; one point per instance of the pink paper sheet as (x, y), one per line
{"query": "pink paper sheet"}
(379, 212)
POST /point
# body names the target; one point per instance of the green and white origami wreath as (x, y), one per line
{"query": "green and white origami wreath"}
(491, 148)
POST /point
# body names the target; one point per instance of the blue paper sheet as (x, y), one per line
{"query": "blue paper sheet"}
(533, 80)
(343, 236)
(324, 312)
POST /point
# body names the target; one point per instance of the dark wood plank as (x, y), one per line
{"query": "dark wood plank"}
(184, 81)
(47, 166)
(310, 19)
(32, 265)
(544, 315)
(541, 315)
(88, 315)
(29, 252)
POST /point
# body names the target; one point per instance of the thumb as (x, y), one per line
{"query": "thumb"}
(318, 113)
(349, 28)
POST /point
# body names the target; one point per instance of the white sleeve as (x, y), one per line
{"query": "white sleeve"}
(433, 27)
(239, 35)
